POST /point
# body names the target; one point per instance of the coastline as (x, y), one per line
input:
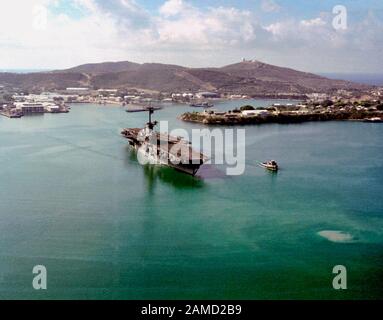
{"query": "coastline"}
(280, 118)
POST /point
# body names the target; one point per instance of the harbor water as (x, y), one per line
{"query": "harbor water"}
(74, 199)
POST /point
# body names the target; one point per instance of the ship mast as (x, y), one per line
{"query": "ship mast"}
(151, 124)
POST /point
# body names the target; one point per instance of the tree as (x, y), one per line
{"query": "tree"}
(340, 103)
(246, 108)
(366, 104)
(327, 103)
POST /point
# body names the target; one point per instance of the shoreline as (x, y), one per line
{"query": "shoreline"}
(281, 118)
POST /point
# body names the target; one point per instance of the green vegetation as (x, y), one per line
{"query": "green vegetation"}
(285, 117)
(366, 104)
(327, 103)
(340, 104)
(247, 108)
(193, 116)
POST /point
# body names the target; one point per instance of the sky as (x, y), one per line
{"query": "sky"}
(323, 36)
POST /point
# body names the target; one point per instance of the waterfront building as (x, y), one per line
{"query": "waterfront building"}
(30, 107)
(52, 108)
(188, 95)
(207, 95)
(317, 96)
(250, 113)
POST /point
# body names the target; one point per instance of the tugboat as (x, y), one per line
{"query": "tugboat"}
(162, 149)
(270, 165)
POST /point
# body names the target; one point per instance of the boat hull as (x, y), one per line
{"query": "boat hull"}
(268, 167)
(149, 153)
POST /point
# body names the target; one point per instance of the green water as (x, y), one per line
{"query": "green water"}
(74, 199)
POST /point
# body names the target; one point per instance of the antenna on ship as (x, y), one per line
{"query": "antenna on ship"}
(142, 108)
(150, 108)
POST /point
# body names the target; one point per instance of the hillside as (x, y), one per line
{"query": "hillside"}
(251, 78)
(288, 77)
(104, 67)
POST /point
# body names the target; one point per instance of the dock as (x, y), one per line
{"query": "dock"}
(11, 115)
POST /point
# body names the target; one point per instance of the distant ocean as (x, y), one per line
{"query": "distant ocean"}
(367, 78)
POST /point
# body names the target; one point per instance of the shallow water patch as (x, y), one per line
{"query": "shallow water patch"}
(336, 236)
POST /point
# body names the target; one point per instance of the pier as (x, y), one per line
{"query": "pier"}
(11, 115)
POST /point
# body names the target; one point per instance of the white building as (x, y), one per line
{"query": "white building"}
(52, 108)
(130, 97)
(252, 113)
(77, 89)
(108, 90)
(30, 107)
(206, 95)
(317, 96)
